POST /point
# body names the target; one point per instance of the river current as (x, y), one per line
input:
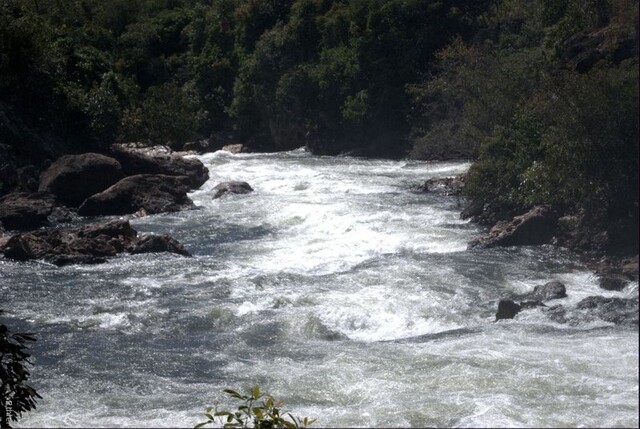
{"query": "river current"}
(336, 289)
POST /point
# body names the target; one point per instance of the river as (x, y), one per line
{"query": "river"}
(335, 288)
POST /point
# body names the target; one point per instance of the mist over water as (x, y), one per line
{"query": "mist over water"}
(335, 288)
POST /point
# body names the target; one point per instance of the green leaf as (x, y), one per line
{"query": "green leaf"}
(287, 424)
(233, 393)
(255, 391)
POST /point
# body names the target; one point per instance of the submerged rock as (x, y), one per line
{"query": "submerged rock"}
(612, 282)
(233, 187)
(153, 243)
(557, 313)
(621, 311)
(89, 244)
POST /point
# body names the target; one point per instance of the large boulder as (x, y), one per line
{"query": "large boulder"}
(535, 227)
(147, 192)
(73, 178)
(233, 187)
(20, 211)
(137, 159)
(88, 244)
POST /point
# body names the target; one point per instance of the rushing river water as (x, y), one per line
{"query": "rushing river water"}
(336, 289)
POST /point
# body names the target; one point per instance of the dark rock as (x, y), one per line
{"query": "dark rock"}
(22, 247)
(548, 291)
(158, 243)
(445, 185)
(234, 187)
(137, 159)
(73, 178)
(621, 311)
(532, 228)
(151, 193)
(612, 282)
(89, 244)
(20, 211)
(507, 309)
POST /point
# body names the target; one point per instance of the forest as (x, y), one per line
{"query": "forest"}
(542, 94)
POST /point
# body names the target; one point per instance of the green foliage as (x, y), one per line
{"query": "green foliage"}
(256, 410)
(95, 72)
(16, 397)
(545, 128)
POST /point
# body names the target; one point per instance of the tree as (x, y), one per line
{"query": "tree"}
(16, 396)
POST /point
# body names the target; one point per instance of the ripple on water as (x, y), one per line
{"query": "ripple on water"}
(335, 288)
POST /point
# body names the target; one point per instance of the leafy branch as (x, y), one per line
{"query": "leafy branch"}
(16, 396)
(257, 410)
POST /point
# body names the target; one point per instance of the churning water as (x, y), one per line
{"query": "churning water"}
(336, 289)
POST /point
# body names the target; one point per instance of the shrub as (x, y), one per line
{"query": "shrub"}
(257, 410)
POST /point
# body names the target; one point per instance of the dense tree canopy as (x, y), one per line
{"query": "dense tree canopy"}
(543, 92)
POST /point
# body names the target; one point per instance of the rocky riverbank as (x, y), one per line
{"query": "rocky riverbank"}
(614, 267)
(131, 180)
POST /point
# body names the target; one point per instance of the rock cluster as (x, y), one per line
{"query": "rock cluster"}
(617, 310)
(88, 244)
(134, 180)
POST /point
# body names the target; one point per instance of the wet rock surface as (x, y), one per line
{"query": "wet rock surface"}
(23, 211)
(138, 159)
(547, 292)
(150, 193)
(233, 187)
(88, 244)
(535, 227)
(73, 178)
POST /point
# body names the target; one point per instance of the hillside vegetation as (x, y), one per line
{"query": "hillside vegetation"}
(543, 93)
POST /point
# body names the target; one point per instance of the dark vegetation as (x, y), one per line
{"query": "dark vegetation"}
(256, 410)
(16, 396)
(543, 93)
